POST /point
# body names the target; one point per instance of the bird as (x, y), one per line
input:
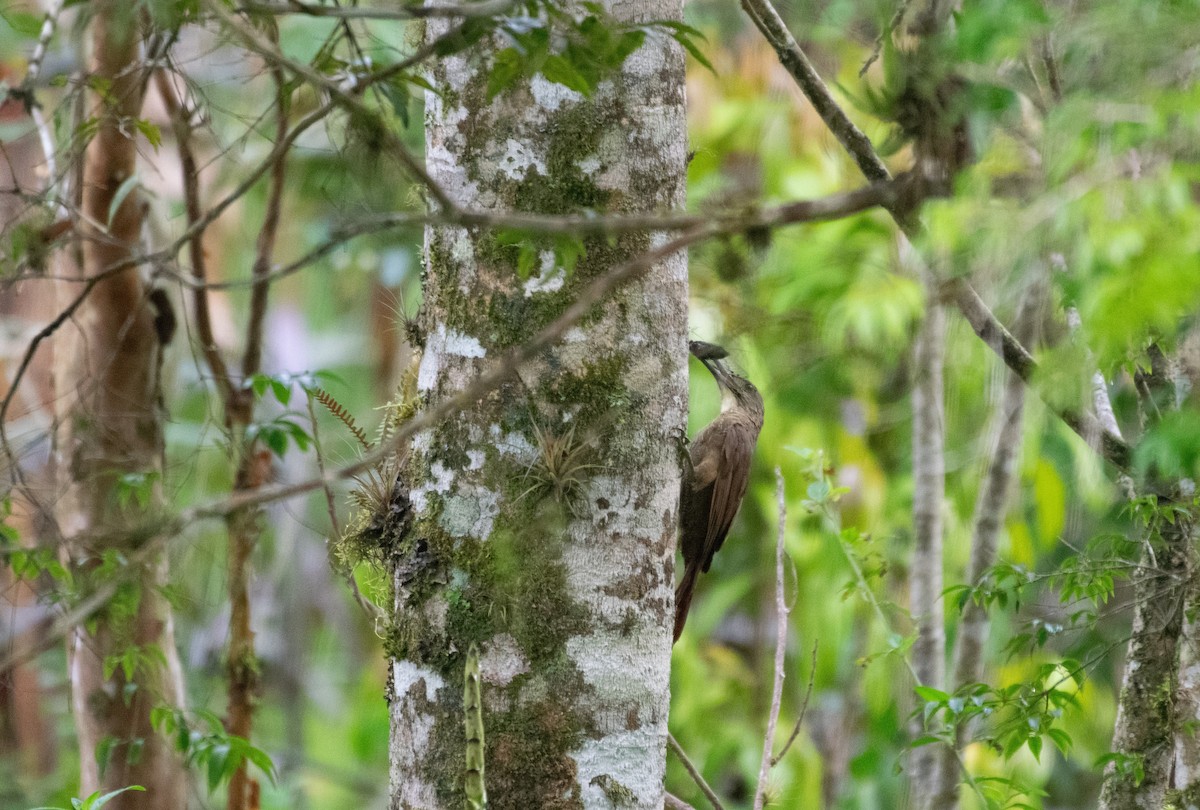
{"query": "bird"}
(716, 473)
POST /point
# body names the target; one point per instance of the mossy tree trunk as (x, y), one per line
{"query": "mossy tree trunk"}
(110, 454)
(544, 518)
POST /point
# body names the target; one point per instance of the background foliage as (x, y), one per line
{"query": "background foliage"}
(1085, 183)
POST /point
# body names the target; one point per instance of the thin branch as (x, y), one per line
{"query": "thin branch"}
(797, 63)
(675, 803)
(822, 209)
(180, 120)
(812, 677)
(45, 135)
(486, 8)
(265, 247)
(877, 48)
(677, 749)
(152, 536)
(781, 625)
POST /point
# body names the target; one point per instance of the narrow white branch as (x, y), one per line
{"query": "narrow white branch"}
(781, 623)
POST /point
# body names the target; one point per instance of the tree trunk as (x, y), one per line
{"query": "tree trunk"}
(544, 518)
(1146, 713)
(992, 503)
(111, 443)
(925, 573)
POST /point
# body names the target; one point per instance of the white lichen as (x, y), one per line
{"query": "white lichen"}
(517, 160)
(550, 95)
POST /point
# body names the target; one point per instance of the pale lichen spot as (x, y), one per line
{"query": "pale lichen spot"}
(511, 444)
(550, 276)
(503, 660)
(550, 95)
(406, 675)
(476, 459)
(517, 160)
(611, 781)
(461, 345)
(470, 513)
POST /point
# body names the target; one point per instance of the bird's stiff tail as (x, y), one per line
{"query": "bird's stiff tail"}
(683, 598)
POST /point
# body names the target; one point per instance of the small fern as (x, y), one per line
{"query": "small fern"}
(342, 415)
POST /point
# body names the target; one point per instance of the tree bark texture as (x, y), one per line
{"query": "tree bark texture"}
(1146, 712)
(925, 572)
(112, 428)
(543, 520)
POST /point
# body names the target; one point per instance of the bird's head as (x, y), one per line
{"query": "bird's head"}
(736, 391)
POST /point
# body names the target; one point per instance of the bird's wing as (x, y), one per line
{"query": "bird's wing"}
(737, 445)
(695, 494)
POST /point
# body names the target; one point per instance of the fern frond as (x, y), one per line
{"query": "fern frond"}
(342, 415)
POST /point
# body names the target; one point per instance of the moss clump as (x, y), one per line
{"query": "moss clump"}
(599, 391)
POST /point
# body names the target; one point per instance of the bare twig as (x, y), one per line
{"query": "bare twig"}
(797, 63)
(180, 120)
(152, 536)
(725, 223)
(812, 677)
(45, 136)
(675, 803)
(781, 624)
(486, 8)
(677, 749)
(265, 247)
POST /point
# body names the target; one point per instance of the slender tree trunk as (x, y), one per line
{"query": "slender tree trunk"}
(925, 572)
(1186, 778)
(544, 518)
(112, 440)
(1146, 712)
(989, 517)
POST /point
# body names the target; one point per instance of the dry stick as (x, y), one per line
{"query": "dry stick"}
(485, 8)
(197, 222)
(823, 208)
(812, 677)
(675, 803)
(781, 618)
(677, 749)
(45, 136)
(983, 322)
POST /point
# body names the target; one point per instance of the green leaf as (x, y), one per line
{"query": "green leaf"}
(23, 23)
(95, 802)
(123, 191)
(558, 70)
(931, 695)
(152, 132)
(506, 69)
